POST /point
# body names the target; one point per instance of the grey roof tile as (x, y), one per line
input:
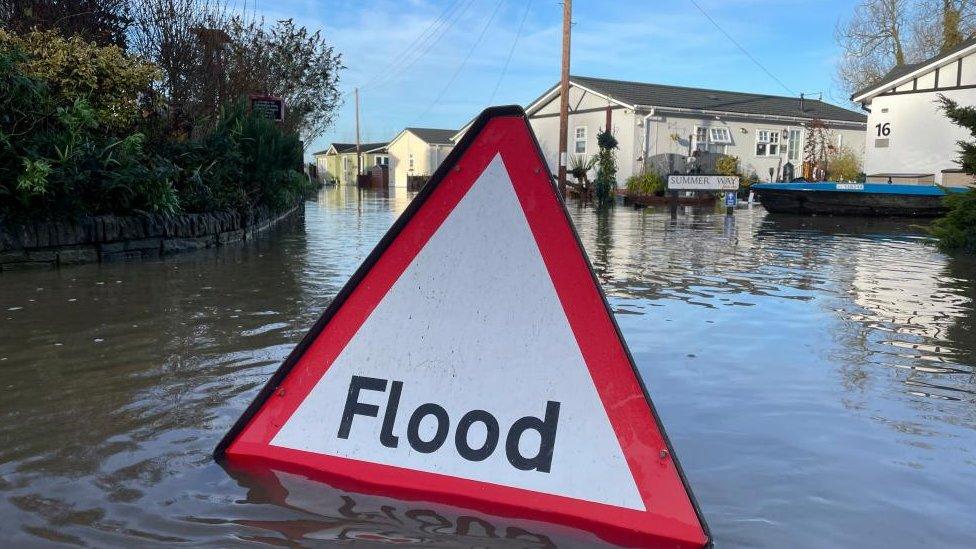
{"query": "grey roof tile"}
(660, 95)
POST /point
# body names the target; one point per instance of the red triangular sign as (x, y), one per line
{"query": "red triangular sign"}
(473, 360)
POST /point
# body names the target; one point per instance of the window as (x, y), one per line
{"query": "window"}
(579, 140)
(712, 140)
(793, 145)
(701, 139)
(720, 135)
(410, 163)
(767, 143)
(382, 160)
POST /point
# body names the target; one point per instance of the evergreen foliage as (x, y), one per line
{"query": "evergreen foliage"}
(606, 173)
(956, 231)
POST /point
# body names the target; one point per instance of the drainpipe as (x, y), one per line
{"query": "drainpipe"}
(647, 137)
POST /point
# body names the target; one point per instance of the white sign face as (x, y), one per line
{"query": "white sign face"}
(703, 183)
(523, 412)
(850, 186)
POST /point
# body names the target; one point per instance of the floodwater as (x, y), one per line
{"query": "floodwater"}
(816, 377)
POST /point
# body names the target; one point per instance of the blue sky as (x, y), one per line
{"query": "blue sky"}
(444, 82)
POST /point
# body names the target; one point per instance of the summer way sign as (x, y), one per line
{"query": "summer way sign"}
(703, 183)
(473, 360)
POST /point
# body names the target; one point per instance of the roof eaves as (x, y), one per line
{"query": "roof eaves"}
(884, 83)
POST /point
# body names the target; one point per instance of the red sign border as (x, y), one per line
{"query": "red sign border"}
(389, 472)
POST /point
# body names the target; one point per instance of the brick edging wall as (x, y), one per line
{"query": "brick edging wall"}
(111, 237)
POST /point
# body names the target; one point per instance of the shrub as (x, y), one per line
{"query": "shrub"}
(646, 183)
(727, 165)
(606, 173)
(957, 230)
(843, 165)
(108, 79)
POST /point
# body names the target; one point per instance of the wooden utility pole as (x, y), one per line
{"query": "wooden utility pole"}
(564, 97)
(359, 156)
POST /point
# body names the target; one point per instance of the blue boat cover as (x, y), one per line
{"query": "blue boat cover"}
(866, 188)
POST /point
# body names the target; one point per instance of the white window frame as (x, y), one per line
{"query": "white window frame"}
(770, 142)
(382, 160)
(577, 139)
(794, 154)
(711, 139)
(701, 139)
(720, 136)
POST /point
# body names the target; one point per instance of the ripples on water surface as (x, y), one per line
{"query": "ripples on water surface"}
(816, 377)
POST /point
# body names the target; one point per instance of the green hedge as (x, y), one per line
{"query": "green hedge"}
(61, 155)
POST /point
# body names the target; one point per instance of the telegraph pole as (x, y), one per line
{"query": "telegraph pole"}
(564, 96)
(359, 156)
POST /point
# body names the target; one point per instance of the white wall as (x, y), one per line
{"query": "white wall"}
(589, 111)
(921, 138)
(743, 132)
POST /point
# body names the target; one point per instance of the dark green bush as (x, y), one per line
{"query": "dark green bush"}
(58, 160)
(957, 230)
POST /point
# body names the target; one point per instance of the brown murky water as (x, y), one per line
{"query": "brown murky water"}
(816, 377)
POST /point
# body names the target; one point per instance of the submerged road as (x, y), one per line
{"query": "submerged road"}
(817, 378)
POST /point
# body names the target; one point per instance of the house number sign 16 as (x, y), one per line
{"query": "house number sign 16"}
(884, 130)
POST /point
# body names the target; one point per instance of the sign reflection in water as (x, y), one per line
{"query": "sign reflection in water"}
(333, 514)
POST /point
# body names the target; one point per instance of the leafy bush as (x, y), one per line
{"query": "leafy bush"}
(647, 183)
(957, 230)
(727, 165)
(108, 79)
(843, 165)
(63, 156)
(579, 166)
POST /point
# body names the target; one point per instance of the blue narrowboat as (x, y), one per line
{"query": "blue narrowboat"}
(866, 199)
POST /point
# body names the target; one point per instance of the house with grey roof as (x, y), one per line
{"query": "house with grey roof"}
(657, 124)
(909, 138)
(418, 152)
(337, 164)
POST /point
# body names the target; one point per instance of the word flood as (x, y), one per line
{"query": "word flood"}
(545, 427)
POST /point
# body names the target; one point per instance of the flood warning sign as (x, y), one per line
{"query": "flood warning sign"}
(473, 360)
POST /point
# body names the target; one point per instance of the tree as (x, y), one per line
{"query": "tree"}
(289, 61)
(957, 230)
(816, 149)
(210, 58)
(884, 34)
(104, 22)
(606, 171)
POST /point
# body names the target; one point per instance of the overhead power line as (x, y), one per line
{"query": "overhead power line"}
(742, 49)
(464, 62)
(511, 51)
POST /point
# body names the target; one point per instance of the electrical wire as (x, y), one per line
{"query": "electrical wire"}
(422, 40)
(464, 62)
(511, 51)
(742, 49)
(424, 47)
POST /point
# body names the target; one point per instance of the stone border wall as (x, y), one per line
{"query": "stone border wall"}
(113, 238)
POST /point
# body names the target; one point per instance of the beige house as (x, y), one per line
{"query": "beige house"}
(338, 162)
(655, 124)
(418, 151)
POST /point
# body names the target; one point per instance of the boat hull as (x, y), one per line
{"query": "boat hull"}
(852, 199)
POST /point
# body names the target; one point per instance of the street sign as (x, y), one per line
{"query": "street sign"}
(473, 360)
(730, 199)
(268, 106)
(703, 183)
